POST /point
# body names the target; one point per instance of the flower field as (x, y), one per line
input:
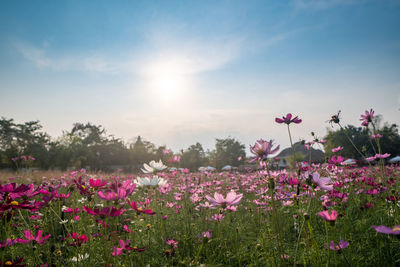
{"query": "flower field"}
(331, 213)
(204, 218)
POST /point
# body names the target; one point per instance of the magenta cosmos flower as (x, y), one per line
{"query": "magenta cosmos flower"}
(124, 245)
(387, 230)
(262, 149)
(97, 183)
(231, 199)
(30, 237)
(288, 119)
(140, 210)
(367, 118)
(328, 216)
(107, 211)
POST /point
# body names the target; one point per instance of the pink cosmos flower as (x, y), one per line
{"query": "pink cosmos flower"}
(124, 245)
(333, 246)
(288, 119)
(70, 210)
(206, 205)
(382, 156)
(376, 136)
(217, 217)
(29, 237)
(8, 243)
(231, 199)
(126, 228)
(369, 159)
(175, 158)
(336, 159)
(118, 191)
(78, 239)
(205, 235)
(324, 183)
(166, 151)
(367, 118)
(231, 208)
(328, 216)
(336, 149)
(81, 185)
(262, 149)
(172, 243)
(387, 230)
(309, 144)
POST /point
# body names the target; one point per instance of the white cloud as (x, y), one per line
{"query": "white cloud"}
(41, 58)
(191, 55)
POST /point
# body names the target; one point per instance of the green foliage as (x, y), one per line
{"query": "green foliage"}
(88, 146)
(193, 157)
(361, 137)
(22, 139)
(227, 151)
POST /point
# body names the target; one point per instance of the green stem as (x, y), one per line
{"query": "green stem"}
(327, 240)
(352, 143)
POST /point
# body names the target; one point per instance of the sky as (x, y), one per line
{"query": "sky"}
(181, 72)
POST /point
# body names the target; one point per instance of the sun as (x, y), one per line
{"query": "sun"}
(168, 84)
(168, 80)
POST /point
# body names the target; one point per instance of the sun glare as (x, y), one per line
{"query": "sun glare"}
(168, 80)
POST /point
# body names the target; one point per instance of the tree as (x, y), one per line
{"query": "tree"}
(141, 152)
(227, 152)
(193, 157)
(361, 137)
(22, 139)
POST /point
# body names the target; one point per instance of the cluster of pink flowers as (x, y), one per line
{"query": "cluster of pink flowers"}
(24, 158)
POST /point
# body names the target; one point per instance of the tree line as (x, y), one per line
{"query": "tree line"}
(89, 146)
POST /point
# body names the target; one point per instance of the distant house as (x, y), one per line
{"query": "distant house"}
(283, 157)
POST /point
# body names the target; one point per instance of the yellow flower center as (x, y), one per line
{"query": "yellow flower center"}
(139, 209)
(148, 225)
(14, 203)
(83, 187)
(396, 229)
(8, 263)
(59, 252)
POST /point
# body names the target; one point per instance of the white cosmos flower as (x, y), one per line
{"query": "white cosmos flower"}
(80, 257)
(153, 166)
(155, 181)
(82, 200)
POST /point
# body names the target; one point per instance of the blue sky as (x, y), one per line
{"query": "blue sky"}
(180, 72)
